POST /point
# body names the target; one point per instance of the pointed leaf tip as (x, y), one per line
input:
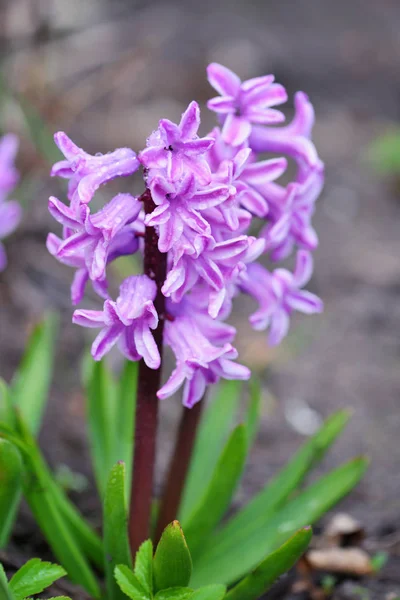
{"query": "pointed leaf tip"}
(172, 561)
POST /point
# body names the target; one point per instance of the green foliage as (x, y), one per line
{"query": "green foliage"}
(273, 566)
(129, 584)
(172, 561)
(116, 546)
(217, 496)
(384, 153)
(11, 470)
(111, 417)
(34, 577)
(30, 385)
(212, 433)
(222, 562)
(144, 566)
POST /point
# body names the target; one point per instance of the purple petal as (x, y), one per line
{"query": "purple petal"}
(10, 216)
(146, 346)
(279, 327)
(78, 286)
(222, 104)
(3, 257)
(190, 121)
(105, 341)
(256, 82)
(174, 382)
(194, 389)
(304, 268)
(305, 302)
(236, 130)
(63, 214)
(88, 318)
(268, 116)
(225, 81)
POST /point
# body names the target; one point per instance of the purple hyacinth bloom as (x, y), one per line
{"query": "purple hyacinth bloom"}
(128, 321)
(8, 173)
(10, 216)
(293, 139)
(291, 219)
(92, 236)
(279, 293)
(178, 206)
(86, 172)
(199, 361)
(177, 149)
(10, 211)
(242, 105)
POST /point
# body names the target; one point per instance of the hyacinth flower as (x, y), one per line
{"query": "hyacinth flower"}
(87, 173)
(244, 104)
(10, 210)
(201, 197)
(128, 321)
(279, 294)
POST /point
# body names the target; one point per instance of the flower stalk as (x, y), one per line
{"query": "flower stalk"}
(179, 466)
(155, 266)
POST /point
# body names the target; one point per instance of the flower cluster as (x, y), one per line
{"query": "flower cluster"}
(207, 191)
(10, 211)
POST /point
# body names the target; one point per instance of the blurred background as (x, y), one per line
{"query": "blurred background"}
(105, 72)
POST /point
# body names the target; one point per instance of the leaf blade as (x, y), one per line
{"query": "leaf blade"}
(34, 577)
(116, 546)
(258, 582)
(217, 496)
(213, 430)
(11, 470)
(172, 564)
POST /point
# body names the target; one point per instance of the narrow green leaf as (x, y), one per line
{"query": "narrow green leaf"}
(273, 566)
(217, 496)
(34, 577)
(60, 598)
(129, 583)
(30, 385)
(38, 489)
(144, 566)
(253, 410)
(175, 593)
(116, 545)
(11, 469)
(257, 513)
(87, 539)
(125, 418)
(5, 592)
(101, 407)
(6, 415)
(224, 563)
(214, 428)
(210, 592)
(172, 565)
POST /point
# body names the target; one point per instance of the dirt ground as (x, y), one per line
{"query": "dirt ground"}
(106, 72)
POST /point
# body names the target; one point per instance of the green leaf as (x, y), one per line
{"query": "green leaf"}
(224, 563)
(384, 153)
(210, 592)
(38, 490)
(101, 407)
(125, 418)
(30, 385)
(253, 410)
(5, 592)
(273, 566)
(144, 566)
(34, 577)
(258, 512)
(11, 469)
(116, 545)
(129, 583)
(172, 565)
(217, 496)
(214, 428)
(175, 593)
(6, 414)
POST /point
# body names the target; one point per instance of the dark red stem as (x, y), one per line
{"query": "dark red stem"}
(178, 467)
(155, 266)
